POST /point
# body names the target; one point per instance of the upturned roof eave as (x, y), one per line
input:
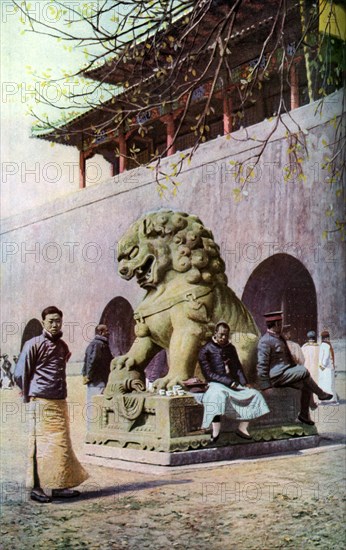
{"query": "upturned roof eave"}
(115, 72)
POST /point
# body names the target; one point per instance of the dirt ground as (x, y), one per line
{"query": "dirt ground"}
(293, 501)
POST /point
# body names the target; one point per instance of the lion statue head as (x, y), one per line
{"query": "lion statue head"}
(164, 241)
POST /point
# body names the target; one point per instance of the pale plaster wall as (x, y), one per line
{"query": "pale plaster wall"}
(73, 239)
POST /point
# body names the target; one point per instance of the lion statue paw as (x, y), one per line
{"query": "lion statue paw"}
(168, 382)
(123, 362)
(123, 378)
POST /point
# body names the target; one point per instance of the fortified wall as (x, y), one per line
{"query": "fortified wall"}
(270, 231)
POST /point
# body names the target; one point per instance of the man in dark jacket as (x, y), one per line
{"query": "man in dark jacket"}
(228, 392)
(40, 373)
(96, 366)
(276, 367)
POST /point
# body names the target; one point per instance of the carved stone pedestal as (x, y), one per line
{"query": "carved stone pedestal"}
(156, 425)
(148, 421)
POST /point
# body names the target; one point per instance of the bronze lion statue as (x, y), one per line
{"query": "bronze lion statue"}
(174, 257)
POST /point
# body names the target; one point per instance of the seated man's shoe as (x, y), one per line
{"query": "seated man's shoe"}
(243, 435)
(325, 396)
(40, 496)
(305, 420)
(65, 493)
(214, 439)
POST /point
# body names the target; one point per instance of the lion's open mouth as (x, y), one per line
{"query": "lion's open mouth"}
(145, 273)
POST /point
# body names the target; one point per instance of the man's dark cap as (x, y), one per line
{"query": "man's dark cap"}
(325, 334)
(311, 334)
(273, 316)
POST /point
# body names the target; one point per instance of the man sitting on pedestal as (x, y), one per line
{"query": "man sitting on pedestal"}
(277, 368)
(229, 392)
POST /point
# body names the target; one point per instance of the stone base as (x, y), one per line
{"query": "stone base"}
(141, 422)
(201, 456)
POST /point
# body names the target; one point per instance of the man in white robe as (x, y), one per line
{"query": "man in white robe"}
(311, 352)
(326, 378)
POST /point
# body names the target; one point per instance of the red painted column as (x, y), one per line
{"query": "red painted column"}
(294, 87)
(227, 114)
(82, 178)
(122, 153)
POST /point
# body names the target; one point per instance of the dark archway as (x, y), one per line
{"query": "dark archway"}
(118, 316)
(33, 328)
(283, 282)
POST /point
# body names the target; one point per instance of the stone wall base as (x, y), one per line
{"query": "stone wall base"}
(201, 456)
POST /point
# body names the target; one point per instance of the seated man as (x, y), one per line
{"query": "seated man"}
(276, 367)
(228, 392)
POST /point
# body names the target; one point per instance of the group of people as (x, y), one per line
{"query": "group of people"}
(279, 364)
(40, 373)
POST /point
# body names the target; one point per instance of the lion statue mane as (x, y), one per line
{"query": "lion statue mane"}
(175, 259)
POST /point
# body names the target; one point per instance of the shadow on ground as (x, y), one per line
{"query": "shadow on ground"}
(116, 490)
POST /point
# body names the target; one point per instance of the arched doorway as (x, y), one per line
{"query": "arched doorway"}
(32, 328)
(282, 282)
(118, 316)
